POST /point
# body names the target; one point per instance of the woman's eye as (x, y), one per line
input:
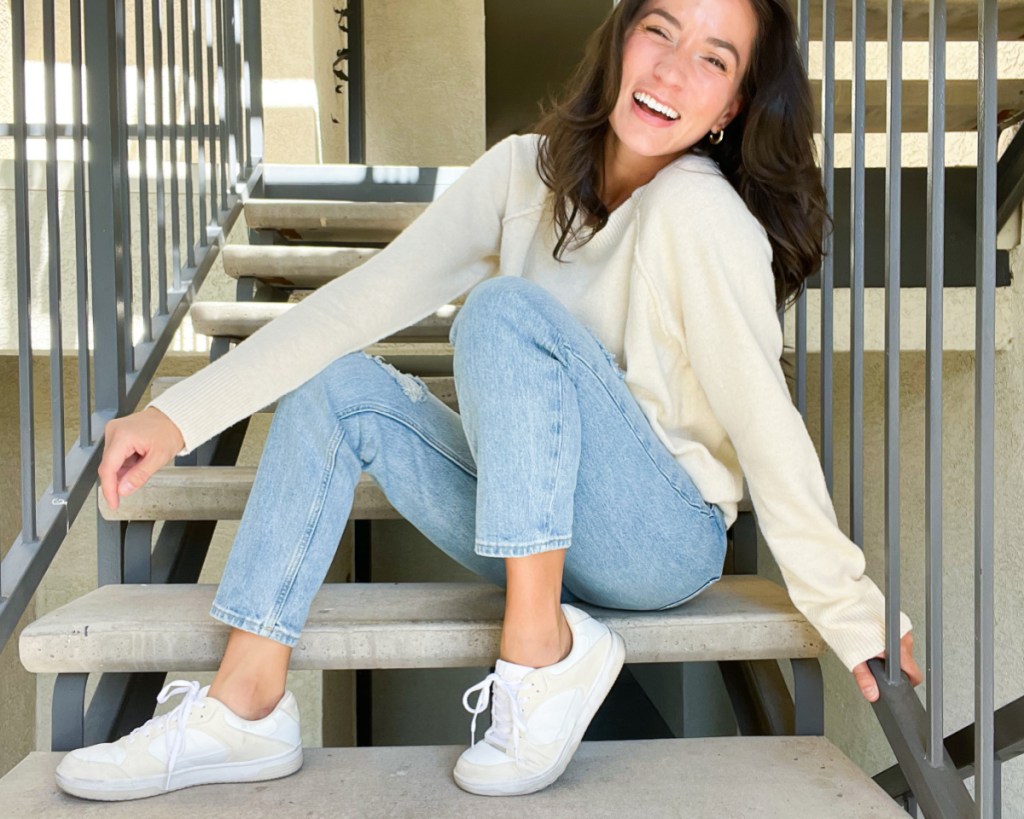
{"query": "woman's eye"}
(717, 63)
(658, 31)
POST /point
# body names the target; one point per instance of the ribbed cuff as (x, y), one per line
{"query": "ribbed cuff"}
(856, 642)
(205, 404)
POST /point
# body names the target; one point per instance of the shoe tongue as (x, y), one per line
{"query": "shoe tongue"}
(511, 672)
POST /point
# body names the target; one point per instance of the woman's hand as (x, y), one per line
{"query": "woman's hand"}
(136, 447)
(866, 680)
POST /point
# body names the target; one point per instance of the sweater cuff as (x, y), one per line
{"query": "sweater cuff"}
(187, 404)
(856, 642)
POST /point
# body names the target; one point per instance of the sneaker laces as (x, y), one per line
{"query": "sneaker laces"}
(178, 715)
(506, 722)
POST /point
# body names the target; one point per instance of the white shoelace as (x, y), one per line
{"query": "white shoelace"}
(178, 715)
(505, 720)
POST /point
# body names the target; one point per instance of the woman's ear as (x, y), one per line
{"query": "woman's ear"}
(730, 113)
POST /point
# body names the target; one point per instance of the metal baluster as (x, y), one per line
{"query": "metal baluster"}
(120, 124)
(81, 239)
(221, 97)
(197, 38)
(253, 84)
(173, 110)
(935, 265)
(893, 179)
(801, 304)
(161, 190)
(186, 87)
(233, 41)
(141, 129)
(211, 94)
(60, 482)
(857, 276)
(984, 415)
(828, 107)
(26, 410)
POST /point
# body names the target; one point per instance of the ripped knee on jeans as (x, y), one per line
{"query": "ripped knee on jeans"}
(412, 386)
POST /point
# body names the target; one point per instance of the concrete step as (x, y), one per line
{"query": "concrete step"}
(961, 104)
(220, 493)
(711, 778)
(961, 19)
(331, 221)
(441, 386)
(399, 625)
(297, 268)
(240, 319)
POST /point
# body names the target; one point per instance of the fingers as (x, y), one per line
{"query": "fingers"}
(135, 447)
(866, 681)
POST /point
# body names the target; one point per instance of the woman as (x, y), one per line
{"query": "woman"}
(664, 211)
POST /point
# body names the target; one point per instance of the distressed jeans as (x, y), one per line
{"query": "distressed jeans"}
(549, 450)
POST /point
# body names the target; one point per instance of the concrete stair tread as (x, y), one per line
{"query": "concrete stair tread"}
(961, 104)
(961, 19)
(352, 222)
(704, 778)
(221, 492)
(441, 386)
(296, 267)
(240, 319)
(399, 625)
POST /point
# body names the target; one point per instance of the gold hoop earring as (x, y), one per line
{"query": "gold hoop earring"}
(716, 137)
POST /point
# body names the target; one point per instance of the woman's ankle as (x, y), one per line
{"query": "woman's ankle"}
(246, 698)
(536, 647)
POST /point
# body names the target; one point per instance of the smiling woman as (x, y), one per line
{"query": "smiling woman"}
(712, 70)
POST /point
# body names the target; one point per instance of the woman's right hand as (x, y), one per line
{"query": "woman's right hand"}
(136, 447)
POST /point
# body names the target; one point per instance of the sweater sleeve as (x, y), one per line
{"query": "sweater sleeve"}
(451, 246)
(698, 240)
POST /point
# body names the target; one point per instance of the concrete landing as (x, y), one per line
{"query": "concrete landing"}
(716, 778)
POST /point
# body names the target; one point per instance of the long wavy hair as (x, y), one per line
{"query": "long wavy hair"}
(767, 152)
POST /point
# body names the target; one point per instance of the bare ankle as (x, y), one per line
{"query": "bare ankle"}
(247, 698)
(534, 647)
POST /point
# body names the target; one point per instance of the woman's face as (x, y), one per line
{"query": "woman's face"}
(689, 57)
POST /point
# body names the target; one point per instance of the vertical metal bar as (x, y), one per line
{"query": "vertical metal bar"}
(232, 72)
(53, 239)
(106, 202)
(197, 54)
(145, 274)
(186, 87)
(26, 412)
(254, 83)
(828, 129)
(221, 97)
(173, 110)
(801, 305)
(161, 190)
(356, 84)
(857, 275)
(81, 240)
(935, 265)
(984, 414)
(120, 124)
(893, 178)
(211, 73)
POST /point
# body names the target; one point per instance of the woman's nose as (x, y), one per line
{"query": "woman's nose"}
(670, 72)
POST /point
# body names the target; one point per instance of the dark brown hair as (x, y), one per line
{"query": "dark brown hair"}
(767, 153)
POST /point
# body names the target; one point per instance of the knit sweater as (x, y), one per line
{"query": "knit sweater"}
(678, 286)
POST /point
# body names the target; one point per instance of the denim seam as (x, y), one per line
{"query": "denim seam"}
(409, 424)
(560, 375)
(312, 520)
(485, 549)
(700, 508)
(711, 581)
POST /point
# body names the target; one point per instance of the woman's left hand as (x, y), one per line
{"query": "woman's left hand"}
(866, 680)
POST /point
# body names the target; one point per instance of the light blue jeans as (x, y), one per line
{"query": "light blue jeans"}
(550, 451)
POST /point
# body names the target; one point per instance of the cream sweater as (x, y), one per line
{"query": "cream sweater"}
(678, 286)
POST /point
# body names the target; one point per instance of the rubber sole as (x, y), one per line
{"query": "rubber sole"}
(609, 673)
(259, 770)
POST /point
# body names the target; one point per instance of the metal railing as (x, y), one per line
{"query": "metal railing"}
(198, 133)
(927, 775)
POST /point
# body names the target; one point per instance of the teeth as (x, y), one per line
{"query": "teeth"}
(650, 102)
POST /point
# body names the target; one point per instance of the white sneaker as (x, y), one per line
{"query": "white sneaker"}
(538, 721)
(199, 742)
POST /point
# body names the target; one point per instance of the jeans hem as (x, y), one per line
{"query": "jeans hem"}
(277, 634)
(521, 549)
